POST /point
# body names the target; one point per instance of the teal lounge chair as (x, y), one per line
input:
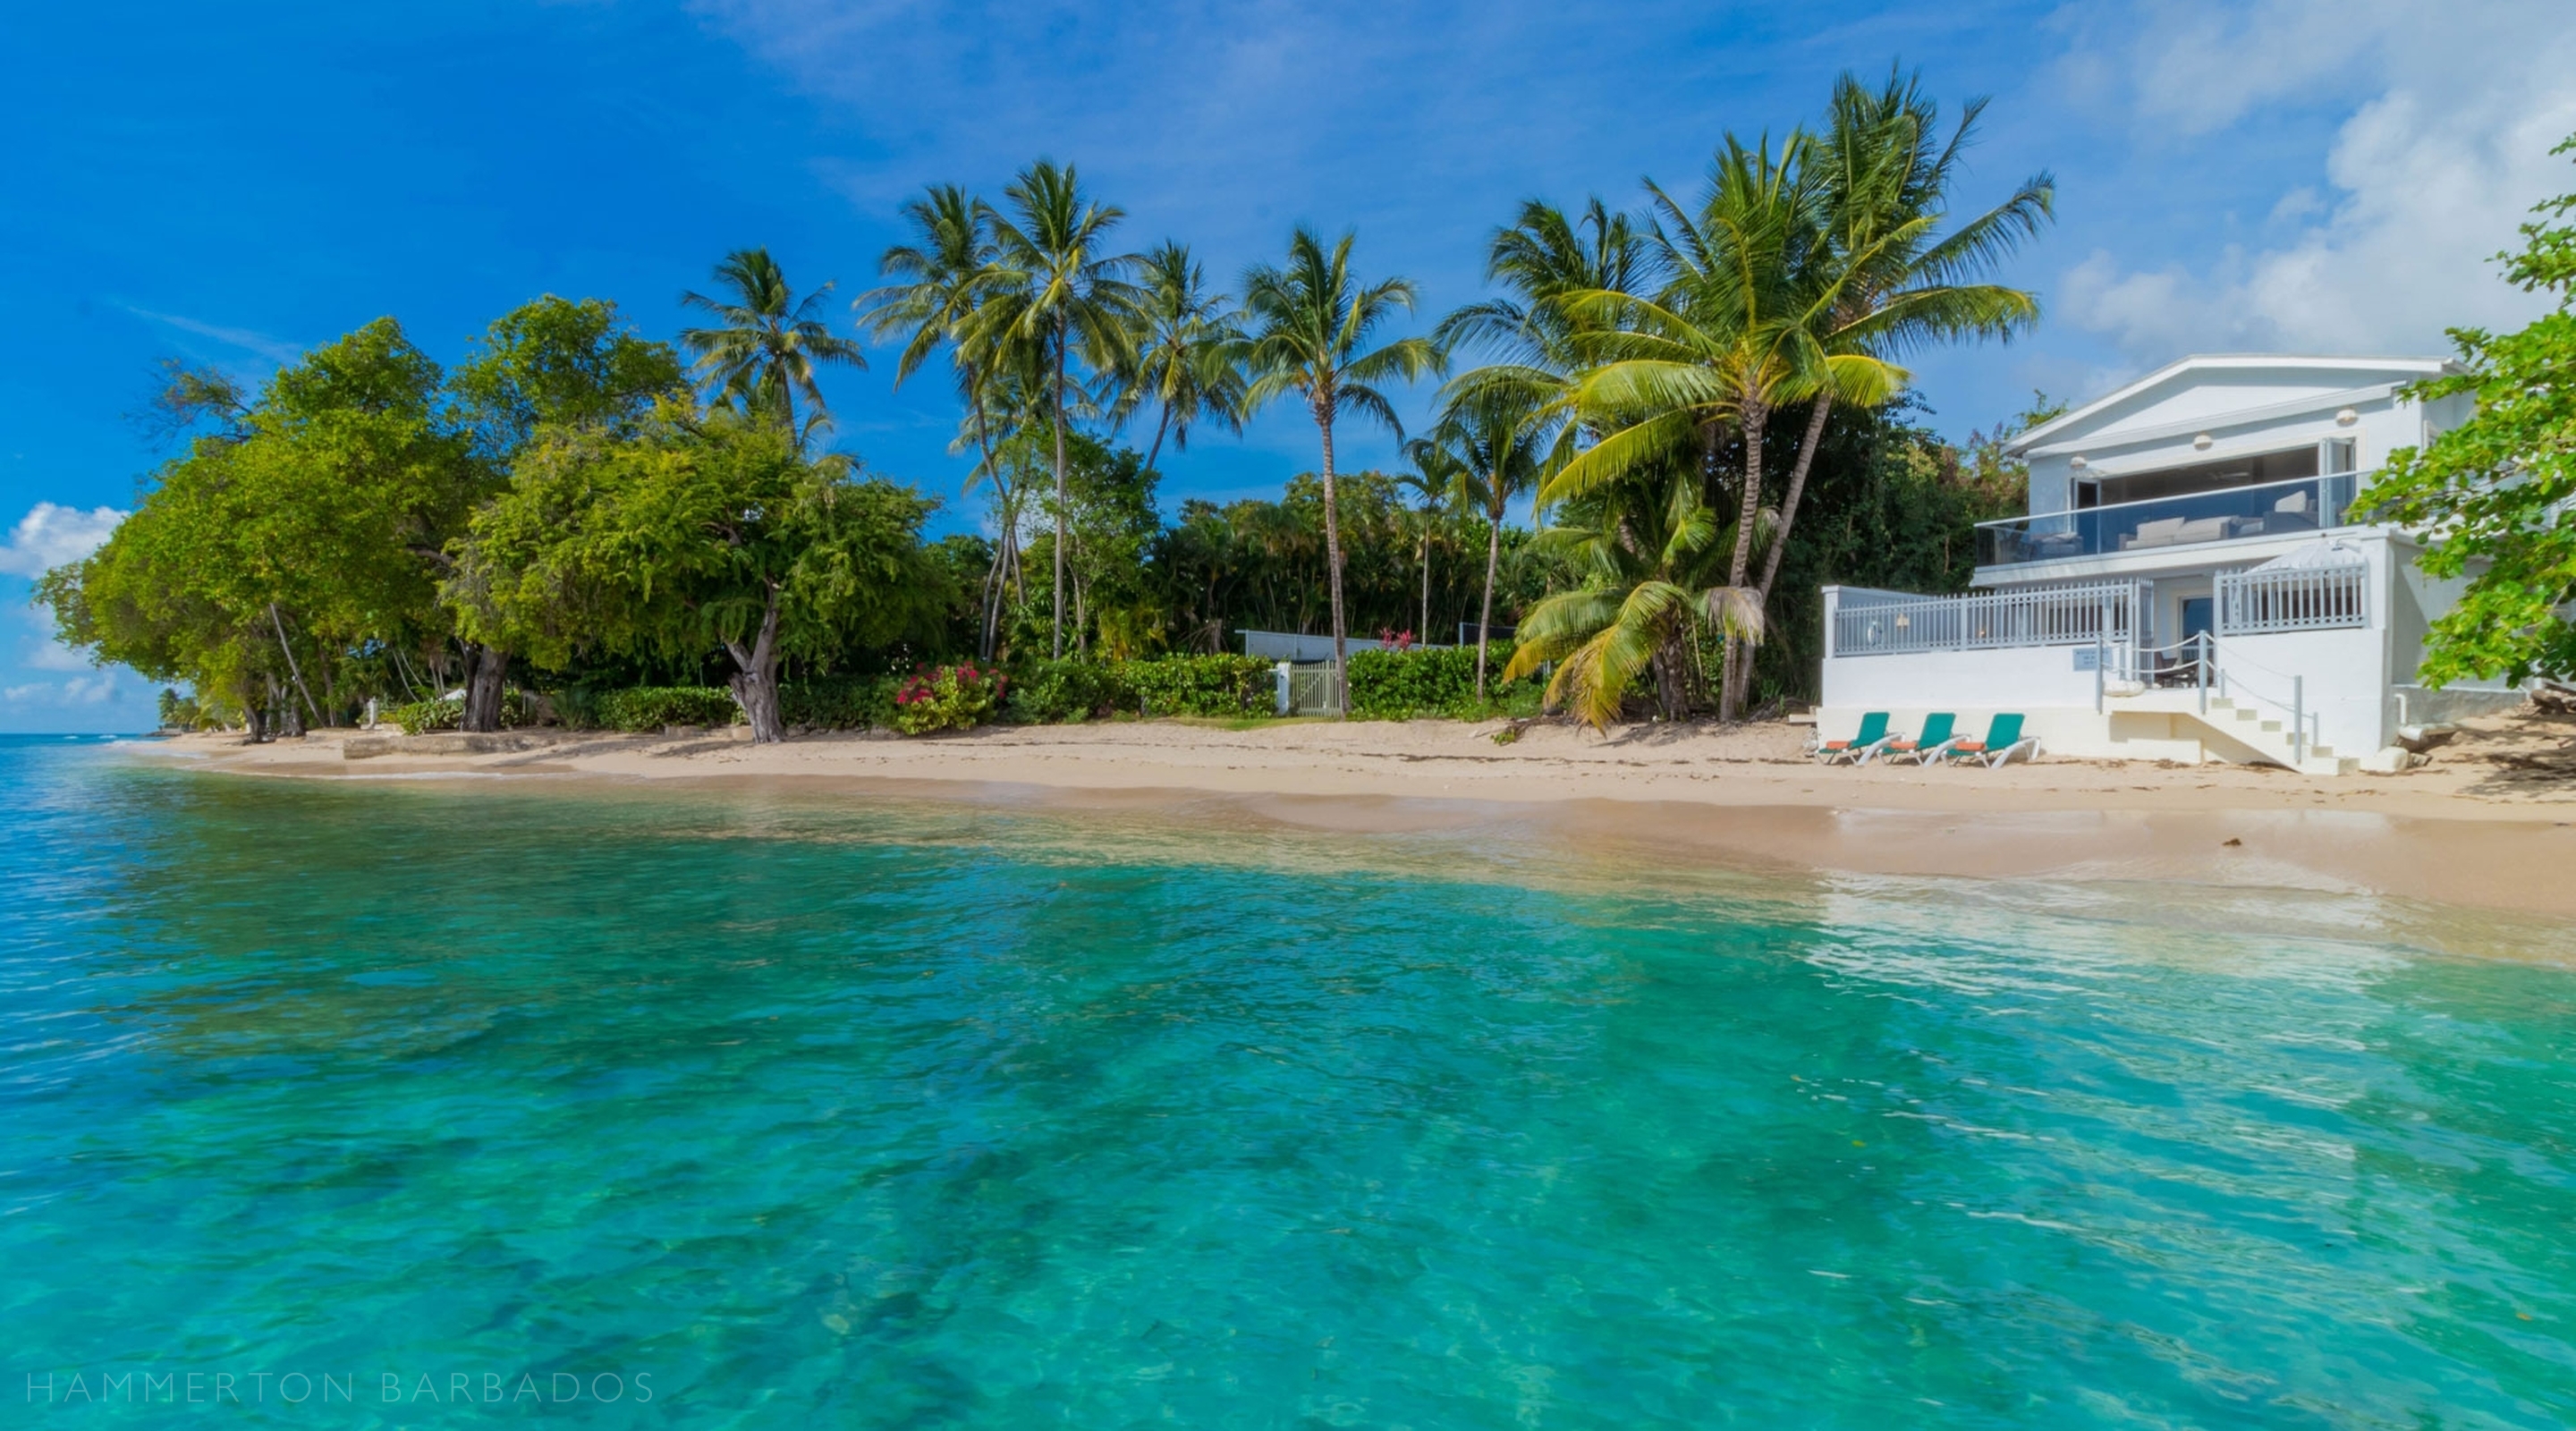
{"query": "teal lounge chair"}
(1864, 743)
(2003, 737)
(1932, 744)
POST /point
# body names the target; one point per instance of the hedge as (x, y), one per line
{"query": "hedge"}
(1073, 690)
(420, 717)
(1400, 685)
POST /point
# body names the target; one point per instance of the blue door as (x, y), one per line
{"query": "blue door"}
(2197, 614)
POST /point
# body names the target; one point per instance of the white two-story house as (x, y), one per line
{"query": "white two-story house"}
(2192, 581)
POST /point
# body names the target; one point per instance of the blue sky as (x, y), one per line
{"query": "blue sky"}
(231, 184)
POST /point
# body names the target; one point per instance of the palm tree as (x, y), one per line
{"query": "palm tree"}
(770, 345)
(1499, 438)
(1649, 553)
(1057, 286)
(1184, 343)
(1438, 484)
(1311, 325)
(941, 277)
(1736, 330)
(1891, 282)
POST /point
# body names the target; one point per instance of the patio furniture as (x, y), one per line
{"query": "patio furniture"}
(1863, 744)
(1936, 736)
(2003, 737)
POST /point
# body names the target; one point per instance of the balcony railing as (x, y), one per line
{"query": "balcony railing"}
(2266, 601)
(2305, 504)
(1893, 623)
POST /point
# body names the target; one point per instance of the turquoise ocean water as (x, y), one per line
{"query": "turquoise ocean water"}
(434, 1100)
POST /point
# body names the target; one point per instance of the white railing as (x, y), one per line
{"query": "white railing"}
(2259, 602)
(1862, 622)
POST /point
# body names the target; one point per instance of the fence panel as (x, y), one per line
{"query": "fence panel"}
(1886, 623)
(2256, 603)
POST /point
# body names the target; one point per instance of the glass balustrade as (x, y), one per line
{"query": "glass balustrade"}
(2306, 504)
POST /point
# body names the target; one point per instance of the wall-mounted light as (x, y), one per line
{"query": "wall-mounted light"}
(2346, 417)
(2077, 462)
(2200, 443)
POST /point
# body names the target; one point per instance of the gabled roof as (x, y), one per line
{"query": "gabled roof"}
(2385, 369)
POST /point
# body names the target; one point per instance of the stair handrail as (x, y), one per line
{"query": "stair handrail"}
(2302, 735)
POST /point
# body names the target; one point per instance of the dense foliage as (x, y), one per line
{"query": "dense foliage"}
(1404, 685)
(1702, 399)
(2499, 491)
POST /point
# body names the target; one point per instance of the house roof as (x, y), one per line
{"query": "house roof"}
(2385, 369)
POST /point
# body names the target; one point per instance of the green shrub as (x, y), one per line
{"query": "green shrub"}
(1201, 686)
(947, 698)
(838, 702)
(420, 716)
(1401, 685)
(1052, 692)
(650, 708)
(1073, 690)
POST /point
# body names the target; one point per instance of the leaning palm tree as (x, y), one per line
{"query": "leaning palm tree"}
(1500, 438)
(1184, 347)
(1737, 330)
(1891, 281)
(1311, 323)
(939, 280)
(1651, 554)
(1058, 285)
(766, 353)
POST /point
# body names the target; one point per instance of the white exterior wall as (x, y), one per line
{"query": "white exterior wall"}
(2244, 406)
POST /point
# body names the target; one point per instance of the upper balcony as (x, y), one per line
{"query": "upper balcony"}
(2266, 509)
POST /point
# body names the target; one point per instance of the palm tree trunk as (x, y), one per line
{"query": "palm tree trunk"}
(1333, 552)
(1780, 534)
(1059, 492)
(996, 581)
(1160, 428)
(1485, 617)
(1749, 511)
(1422, 633)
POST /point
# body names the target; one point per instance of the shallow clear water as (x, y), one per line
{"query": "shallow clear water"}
(793, 1112)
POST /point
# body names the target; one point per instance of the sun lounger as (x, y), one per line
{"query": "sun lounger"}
(2003, 737)
(1864, 743)
(1936, 738)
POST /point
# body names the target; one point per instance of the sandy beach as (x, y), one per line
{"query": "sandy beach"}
(2490, 822)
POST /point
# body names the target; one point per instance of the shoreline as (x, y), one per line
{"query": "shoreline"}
(2490, 823)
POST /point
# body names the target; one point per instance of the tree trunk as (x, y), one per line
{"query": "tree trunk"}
(1670, 691)
(1059, 494)
(483, 689)
(1485, 617)
(1749, 511)
(254, 715)
(995, 582)
(291, 669)
(1159, 429)
(755, 677)
(1422, 633)
(1333, 556)
(1780, 534)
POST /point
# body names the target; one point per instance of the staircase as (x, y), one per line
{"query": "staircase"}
(2254, 726)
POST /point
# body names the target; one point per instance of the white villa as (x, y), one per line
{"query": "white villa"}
(2191, 583)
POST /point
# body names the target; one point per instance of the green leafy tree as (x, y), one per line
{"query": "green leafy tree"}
(552, 364)
(2496, 495)
(1499, 439)
(1311, 323)
(707, 532)
(1057, 286)
(770, 344)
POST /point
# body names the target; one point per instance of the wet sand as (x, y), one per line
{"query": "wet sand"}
(2491, 822)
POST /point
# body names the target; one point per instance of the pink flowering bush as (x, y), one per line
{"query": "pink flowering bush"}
(947, 698)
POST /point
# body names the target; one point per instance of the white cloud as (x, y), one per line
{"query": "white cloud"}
(2443, 147)
(94, 690)
(250, 340)
(49, 536)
